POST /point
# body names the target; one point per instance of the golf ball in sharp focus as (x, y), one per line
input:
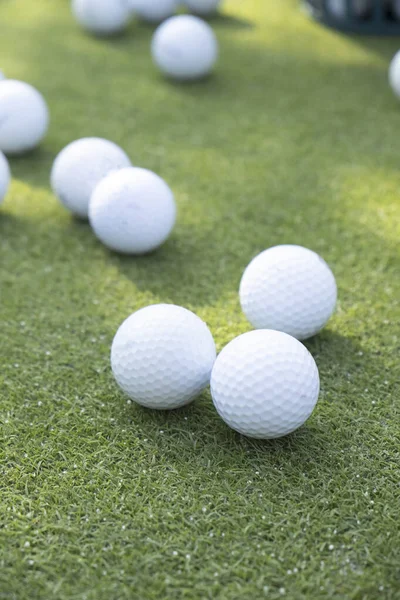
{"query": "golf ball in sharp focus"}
(162, 356)
(265, 384)
(153, 11)
(203, 7)
(24, 117)
(102, 17)
(394, 74)
(290, 289)
(132, 211)
(78, 169)
(5, 176)
(185, 47)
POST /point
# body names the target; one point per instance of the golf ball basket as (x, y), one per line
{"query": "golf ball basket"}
(372, 17)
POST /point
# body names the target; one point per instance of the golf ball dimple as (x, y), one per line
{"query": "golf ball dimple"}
(185, 47)
(80, 166)
(132, 211)
(102, 17)
(5, 176)
(162, 356)
(394, 74)
(153, 11)
(265, 384)
(290, 289)
(203, 7)
(24, 117)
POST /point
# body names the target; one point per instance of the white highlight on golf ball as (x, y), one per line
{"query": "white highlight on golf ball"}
(78, 169)
(153, 11)
(185, 47)
(162, 356)
(102, 17)
(132, 211)
(394, 74)
(290, 289)
(265, 384)
(5, 176)
(24, 117)
(203, 7)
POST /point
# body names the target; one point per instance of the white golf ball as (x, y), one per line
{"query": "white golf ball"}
(203, 7)
(5, 176)
(265, 384)
(153, 11)
(185, 47)
(394, 74)
(162, 356)
(102, 17)
(24, 117)
(132, 211)
(290, 289)
(78, 169)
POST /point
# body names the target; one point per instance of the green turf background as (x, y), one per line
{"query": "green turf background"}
(295, 139)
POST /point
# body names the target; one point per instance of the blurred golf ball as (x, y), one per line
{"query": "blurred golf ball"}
(132, 211)
(185, 47)
(153, 11)
(5, 176)
(290, 289)
(102, 17)
(203, 7)
(265, 384)
(394, 74)
(358, 8)
(80, 166)
(162, 356)
(24, 117)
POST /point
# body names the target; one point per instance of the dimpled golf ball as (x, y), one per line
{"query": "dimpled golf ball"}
(24, 117)
(132, 211)
(394, 74)
(153, 11)
(102, 17)
(185, 48)
(162, 356)
(5, 176)
(265, 384)
(203, 8)
(290, 289)
(80, 166)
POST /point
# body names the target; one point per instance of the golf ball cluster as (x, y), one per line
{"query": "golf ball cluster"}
(183, 47)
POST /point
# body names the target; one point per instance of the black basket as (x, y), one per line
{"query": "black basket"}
(377, 17)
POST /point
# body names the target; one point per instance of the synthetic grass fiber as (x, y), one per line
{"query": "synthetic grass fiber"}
(294, 139)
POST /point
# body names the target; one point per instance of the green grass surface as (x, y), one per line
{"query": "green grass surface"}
(295, 139)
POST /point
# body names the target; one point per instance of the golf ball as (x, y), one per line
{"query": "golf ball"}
(102, 17)
(265, 384)
(78, 169)
(290, 289)
(132, 211)
(24, 117)
(358, 8)
(185, 47)
(5, 176)
(162, 356)
(203, 7)
(153, 11)
(394, 74)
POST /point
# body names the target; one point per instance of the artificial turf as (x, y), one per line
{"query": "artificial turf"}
(293, 140)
